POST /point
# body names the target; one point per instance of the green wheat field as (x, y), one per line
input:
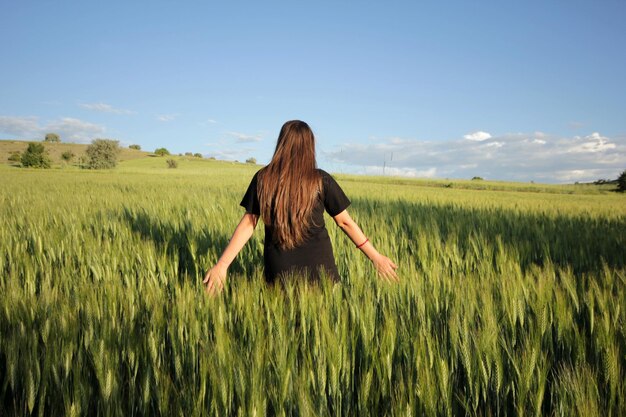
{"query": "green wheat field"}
(511, 300)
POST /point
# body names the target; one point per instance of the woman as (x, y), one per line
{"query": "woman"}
(290, 195)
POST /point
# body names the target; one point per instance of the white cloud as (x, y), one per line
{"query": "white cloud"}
(573, 175)
(70, 129)
(22, 127)
(166, 117)
(478, 136)
(400, 172)
(243, 137)
(518, 157)
(592, 143)
(207, 122)
(233, 154)
(104, 108)
(494, 145)
(75, 129)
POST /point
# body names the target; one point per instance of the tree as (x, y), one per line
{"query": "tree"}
(477, 179)
(52, 137)
(621, 181)
(102, 153)
(251, 161)
(136, 147)
(197, 155)
(35, 156)
(67, 156)
(161, 152)
(171, 163)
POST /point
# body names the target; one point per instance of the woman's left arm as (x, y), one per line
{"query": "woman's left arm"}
(216, 276)
(386, 267)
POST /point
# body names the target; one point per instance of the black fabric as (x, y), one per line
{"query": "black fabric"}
(314, 256)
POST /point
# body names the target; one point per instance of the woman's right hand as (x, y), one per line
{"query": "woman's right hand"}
(214, 279)
(385, 268)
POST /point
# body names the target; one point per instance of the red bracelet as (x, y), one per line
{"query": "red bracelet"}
(359, 246)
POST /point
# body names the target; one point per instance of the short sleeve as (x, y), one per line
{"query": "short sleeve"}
(335, 200)
(250, 200)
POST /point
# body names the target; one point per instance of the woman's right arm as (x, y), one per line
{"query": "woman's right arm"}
(385, 266)
(216, 276)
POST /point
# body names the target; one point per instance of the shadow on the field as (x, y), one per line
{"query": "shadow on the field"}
(181, 240)
(582, 243)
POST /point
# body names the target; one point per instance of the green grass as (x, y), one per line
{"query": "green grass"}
(585, 188)
(510, 301)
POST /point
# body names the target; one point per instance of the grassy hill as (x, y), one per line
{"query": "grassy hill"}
(200, 166)
(132, 160)
(55, 150)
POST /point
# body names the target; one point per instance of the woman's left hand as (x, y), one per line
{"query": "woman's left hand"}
(386, 268)
(214, 279)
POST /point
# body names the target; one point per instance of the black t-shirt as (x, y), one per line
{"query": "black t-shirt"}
(315, 254)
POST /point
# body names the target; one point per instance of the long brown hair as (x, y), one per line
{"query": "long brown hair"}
(289, 185)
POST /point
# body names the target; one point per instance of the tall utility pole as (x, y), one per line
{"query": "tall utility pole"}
(385, 162)
(341, 159)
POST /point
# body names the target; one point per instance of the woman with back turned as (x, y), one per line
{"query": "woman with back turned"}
(290, 195)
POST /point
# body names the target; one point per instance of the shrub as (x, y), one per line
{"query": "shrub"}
(477, 178)
(52, 137)
(251, 161)
(171, 163)
(102, 153)
(161, 152)
(137, 147)
(621, 181)
(15, 156)
(67, 156)
(188, 154)
(35, 156)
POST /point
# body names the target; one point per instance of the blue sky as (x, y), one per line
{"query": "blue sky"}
(504, 90)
